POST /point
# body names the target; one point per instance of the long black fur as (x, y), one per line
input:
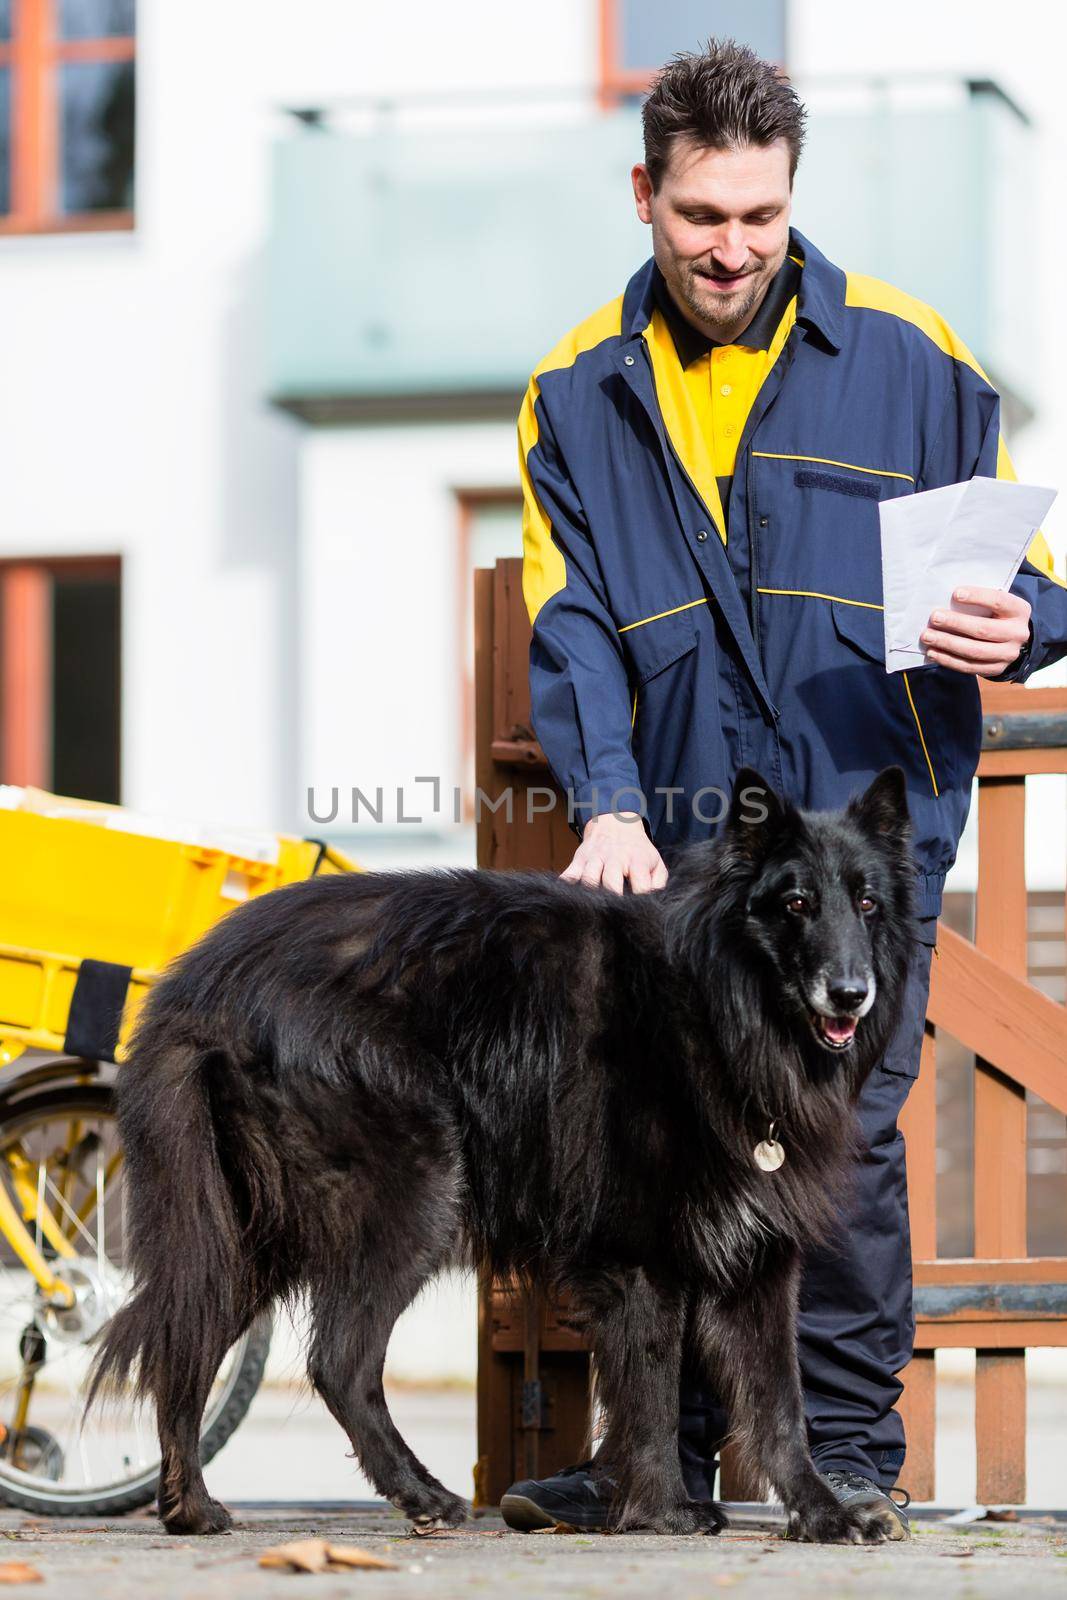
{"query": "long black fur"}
(351, 1082)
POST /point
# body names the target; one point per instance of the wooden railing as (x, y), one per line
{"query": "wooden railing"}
(533, 1383)
(1003, 1300)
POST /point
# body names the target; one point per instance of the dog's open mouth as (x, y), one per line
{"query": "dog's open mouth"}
(836, 1033)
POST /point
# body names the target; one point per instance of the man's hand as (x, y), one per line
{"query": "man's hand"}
(985, 646)
(615, 847)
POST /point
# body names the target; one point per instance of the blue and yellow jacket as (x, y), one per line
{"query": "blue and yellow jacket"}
(653, 668)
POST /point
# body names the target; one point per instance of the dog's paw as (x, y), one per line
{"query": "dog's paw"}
(880, 1524)
(689, 1516)
(201, 1516)
(838, 1524)
(436, 1516)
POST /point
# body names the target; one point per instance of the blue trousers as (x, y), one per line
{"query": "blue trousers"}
(855, 1328)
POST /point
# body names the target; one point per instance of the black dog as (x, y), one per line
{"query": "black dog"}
(355, 1080)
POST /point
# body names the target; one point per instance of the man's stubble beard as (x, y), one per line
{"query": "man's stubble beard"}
(739, 310)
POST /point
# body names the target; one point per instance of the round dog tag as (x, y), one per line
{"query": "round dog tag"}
(768, 1154)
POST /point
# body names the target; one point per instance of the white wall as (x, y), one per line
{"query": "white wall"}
(379, 576)
(131, 401)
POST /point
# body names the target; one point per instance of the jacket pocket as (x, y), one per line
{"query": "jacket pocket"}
(663, 658)
(653, 645)
(864, 628)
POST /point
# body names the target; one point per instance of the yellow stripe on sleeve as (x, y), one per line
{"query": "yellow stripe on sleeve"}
(544, 571)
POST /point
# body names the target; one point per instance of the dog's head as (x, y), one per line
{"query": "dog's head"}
(825, 898)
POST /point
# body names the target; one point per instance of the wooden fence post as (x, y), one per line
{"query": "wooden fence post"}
(1000, 1138)
(918, 1403)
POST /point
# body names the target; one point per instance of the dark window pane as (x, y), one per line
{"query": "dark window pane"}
(648, 34)
(85, 687)
(5, 19)
(5, 141)
(97, 131)
(96, 19)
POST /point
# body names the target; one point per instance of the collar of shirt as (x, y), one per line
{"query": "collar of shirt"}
(690, 343)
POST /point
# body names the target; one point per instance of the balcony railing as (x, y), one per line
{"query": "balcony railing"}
(429, 251)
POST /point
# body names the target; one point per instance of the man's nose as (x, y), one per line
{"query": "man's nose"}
(730, 251)
(847, 991)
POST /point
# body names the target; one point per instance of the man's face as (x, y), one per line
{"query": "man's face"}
(720, 228)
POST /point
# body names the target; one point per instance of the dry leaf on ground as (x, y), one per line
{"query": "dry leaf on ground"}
(19, 1572)
(318, 1555)
(303, 1555)
(352, 1555)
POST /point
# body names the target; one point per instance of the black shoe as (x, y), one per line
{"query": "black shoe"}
(853, 1489)
(572, 1497)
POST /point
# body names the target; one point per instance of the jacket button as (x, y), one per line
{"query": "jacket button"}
(701, 536)
(764, 521)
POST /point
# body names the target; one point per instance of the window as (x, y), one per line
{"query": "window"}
(66, 115)
(637, 37)
(59, 675)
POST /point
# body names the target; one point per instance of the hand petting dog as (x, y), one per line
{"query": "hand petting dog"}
(983, 646)
(614, 848)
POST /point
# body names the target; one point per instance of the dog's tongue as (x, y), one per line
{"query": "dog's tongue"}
(838, 1029)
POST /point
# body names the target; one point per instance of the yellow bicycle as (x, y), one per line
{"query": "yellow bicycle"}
(93, 904)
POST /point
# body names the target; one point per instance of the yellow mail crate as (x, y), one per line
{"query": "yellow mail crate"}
(74, 890)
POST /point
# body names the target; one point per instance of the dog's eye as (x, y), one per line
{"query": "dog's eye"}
(797, 905)
(868, 903)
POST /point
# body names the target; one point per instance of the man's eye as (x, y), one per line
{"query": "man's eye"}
(797, 905)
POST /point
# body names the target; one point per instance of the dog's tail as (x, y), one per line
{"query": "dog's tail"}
(190, 1224)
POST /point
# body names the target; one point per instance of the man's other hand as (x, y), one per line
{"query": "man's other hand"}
(985, 646)
(615, 847)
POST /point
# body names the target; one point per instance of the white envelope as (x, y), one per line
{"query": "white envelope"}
(971, 535)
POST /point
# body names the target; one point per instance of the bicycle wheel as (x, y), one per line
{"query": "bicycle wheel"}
(61, 1164)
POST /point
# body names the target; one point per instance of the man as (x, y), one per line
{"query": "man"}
(702, 461)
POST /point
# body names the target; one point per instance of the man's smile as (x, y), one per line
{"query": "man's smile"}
(722, 282)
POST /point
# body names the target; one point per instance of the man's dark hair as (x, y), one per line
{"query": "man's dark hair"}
(724, 97)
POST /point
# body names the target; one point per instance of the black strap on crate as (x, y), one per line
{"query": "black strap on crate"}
(95, 1015)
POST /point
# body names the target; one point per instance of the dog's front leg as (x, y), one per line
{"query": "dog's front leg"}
(748, 1347)
(636, 1330)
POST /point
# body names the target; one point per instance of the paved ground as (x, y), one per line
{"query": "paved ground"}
(290, 1448)
(290, 1452)
(134, 1559)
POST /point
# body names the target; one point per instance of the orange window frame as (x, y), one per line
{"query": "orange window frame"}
(34, 54)
(26, 656)
(616, 82)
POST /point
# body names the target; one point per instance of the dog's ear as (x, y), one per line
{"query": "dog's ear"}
(882, 811)
(756, 813)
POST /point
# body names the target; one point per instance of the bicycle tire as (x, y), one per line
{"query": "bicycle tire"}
(128, 1495)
